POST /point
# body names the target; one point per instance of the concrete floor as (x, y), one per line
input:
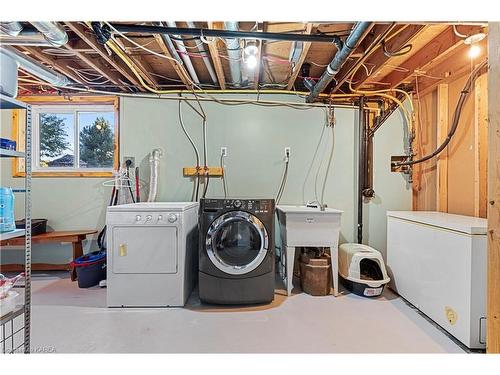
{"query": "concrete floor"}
(66, 319)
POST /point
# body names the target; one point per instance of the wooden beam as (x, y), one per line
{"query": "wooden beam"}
(214, 53)
(442, 159)
(440, 47)
(179, 69)
(480, 145)
(91, 40)
(300, 61)
(55, 64)
(393, 43)
(97, 65)
(493, 310)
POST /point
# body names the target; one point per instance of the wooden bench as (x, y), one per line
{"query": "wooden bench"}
(74, 237)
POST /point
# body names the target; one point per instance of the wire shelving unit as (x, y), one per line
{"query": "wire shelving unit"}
(15, 326)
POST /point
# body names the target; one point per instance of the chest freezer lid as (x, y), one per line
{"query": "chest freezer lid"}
(153, 206)
(459, 223)
(306, 210)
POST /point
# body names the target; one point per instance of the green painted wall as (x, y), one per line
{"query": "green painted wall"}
(255, 138)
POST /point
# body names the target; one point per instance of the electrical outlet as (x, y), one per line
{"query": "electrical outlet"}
(287, 152)
(223, 151)
(131, 158)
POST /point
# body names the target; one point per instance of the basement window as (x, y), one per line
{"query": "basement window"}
(74, 140)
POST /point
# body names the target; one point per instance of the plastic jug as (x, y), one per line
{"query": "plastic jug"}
(7, 220)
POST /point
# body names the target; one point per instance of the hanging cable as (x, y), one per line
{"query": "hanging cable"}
(194, 148)
(283, 180)
(464, 94)
(400, 52)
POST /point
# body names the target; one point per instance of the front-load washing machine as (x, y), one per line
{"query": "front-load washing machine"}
(236, 258)
(152, 253)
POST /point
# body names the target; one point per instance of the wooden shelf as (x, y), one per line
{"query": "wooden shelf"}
(11, 153)
(13, 234)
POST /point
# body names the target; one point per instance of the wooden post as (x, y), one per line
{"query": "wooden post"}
(493, 311)
(480, 145)
(442, 161)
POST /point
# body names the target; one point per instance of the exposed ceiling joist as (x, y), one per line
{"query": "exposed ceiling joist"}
(179, 69)
(303, 55)
(449, 69)
(443, 45)
(90, 39)
(214, 54)
(379, 57)
(97, 65)
(55, 64)
(378, 32)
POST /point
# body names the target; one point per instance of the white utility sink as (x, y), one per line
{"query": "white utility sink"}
(302, 226)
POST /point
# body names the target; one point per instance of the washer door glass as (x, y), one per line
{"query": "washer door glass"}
(237, 242)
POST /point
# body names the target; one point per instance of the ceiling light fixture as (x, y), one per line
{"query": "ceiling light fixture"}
(474, 51)
(250, 53)
(474, 38)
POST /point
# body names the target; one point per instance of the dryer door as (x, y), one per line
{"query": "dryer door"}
(237, 242)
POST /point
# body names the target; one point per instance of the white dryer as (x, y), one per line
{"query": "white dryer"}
(152, 253)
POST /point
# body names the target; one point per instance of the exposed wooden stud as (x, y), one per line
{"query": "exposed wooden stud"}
(193, 171)
(393, 43)
(214, 53)
(442, 159)
(440, 47)
(55, 64)
(480, 145)
(92, 42)
(493, 298)
(179, 69)
(303, 55)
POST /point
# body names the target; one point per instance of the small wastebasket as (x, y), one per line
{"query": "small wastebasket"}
(90, 268)
(315, 274)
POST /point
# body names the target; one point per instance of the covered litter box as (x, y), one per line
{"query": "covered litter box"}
(362, 269)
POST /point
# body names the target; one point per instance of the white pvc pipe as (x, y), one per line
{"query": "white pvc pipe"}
(154, 161)
(183, 52)
(206, 60)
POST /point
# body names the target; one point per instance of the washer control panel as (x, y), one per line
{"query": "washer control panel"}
(251, 205)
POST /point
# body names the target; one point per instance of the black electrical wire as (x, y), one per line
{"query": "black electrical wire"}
(129, 186)
(400, 52)
(464, 94)
(207, 180)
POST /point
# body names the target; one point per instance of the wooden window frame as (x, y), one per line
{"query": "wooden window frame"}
(18, 132)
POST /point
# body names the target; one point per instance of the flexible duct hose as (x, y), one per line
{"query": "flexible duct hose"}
(154, 160)
(464, 94)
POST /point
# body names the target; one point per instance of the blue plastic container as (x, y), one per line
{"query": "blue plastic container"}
(7, 220)
(90, 268)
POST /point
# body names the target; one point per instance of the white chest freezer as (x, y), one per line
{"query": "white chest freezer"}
(437, 261)
(152, 253)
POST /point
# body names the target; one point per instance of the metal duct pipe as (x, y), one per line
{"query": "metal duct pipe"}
(53, 33)
(184, 55)
(234, 53)
(154, 160)
(339, 59)
(34, 67)
(12, 28)
(206, 60)
(34, 41)
(170, 46)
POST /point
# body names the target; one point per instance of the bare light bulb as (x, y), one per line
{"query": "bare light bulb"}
(251, 61)
(474, 51)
